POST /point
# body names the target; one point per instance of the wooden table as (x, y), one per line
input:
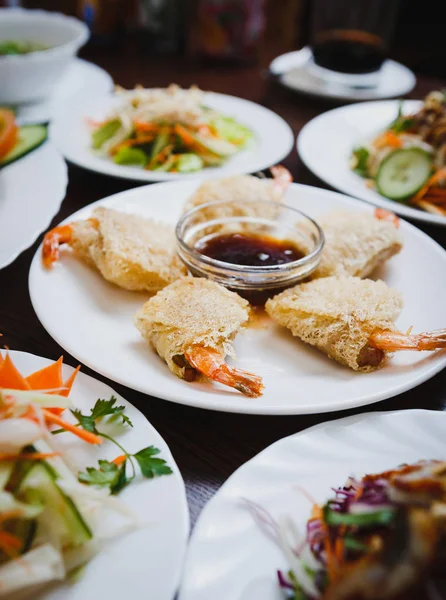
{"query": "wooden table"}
(208, 446)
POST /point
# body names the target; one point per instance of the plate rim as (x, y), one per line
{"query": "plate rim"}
(185, 511)
(241, 408)
(110, 169)
(38, 230)
(348, 420)
(401, 209)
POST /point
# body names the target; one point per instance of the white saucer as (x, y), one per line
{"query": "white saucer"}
(81, 77)
(291, 70)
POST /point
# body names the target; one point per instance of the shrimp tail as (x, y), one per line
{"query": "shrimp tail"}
(393, 341)
(211, 363)
(54, 238)
(52, 242)
(386, 215)
(282, 179)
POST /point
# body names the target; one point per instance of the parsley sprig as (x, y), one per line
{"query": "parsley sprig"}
(114, 474)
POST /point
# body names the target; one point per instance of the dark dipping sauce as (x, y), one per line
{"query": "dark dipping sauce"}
(249, 249)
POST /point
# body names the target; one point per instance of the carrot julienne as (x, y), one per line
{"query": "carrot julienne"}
(87, 436)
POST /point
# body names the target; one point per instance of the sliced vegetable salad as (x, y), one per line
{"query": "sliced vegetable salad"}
(407, 162)
(52, 514)
(379, 537)
(170, 130)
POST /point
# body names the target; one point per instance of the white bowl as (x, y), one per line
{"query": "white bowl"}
(31, 77)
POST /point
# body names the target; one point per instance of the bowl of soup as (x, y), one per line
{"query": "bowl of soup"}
(36, 47)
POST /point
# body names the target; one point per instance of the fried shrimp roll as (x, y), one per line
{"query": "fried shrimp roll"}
(191, 324)
(357, 243)
(349, 319)
(240, 188)
(130, 251)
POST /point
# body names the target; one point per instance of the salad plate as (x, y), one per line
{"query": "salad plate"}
(272, 139)
(231, 556)
(93, 320)
(31, 192)
(80, 79)
(146, 560)
(326, 143)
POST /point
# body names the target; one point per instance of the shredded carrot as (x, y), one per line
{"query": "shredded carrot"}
(147, 127)
(57, 410)
(10, 514)
(144, 139)
(388, 138)
(186, 137)
(316, 512)
(28, 455)
(10, 377)
(9, 543)
(87, 436)
(440, 174)
(119, 460)
(329, 556)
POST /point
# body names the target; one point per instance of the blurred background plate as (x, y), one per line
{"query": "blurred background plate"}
(31, 192)
(82, 79)
(229, 555)
(292, 71)
(273, 139)
(325, 145)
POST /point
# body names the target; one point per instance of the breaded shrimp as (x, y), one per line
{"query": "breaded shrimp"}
(352, 320)
(132, 252)
(191, 324)
(356, 243)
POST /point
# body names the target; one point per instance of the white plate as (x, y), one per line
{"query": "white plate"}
(325, 145)
(273, 139)
(31, 192)
(146, 563)
(92, 319)
(81, 79)
(230, 557)
(292, 71)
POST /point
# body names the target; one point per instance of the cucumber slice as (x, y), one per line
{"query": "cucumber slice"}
(30, 137)
(39, 485)
(403, 172)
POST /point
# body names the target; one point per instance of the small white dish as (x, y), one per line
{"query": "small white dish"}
(326, 142)
(80, 79)
(31, 192)
(31, 77)
(93, 320)
(145, 563)
(273, 139)
(229, 556)
(293, 71)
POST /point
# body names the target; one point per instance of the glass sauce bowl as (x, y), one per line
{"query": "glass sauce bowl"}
(259, 218)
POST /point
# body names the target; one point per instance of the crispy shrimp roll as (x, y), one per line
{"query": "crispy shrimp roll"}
(128, 250)
(357, 243)
(191, 324)
(240, 188)
(349, 319)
